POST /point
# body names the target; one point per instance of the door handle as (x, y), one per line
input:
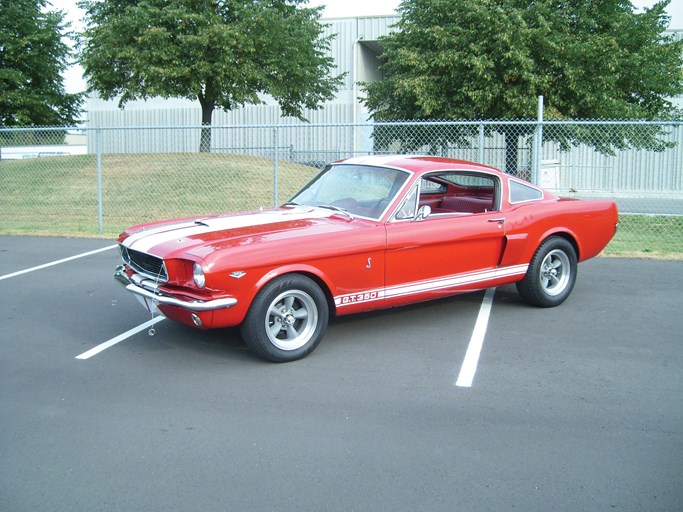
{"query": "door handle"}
(498, 219)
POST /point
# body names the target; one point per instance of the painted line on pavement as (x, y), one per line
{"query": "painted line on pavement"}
(52, 263)
(108, 344)
(471, 361)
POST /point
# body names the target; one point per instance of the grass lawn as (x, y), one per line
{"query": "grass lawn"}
(648, 236)
(58, 196)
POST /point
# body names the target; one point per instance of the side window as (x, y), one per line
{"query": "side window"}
(520, 192)
(466, 192)
(409, 207)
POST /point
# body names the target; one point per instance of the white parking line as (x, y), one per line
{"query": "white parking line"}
(471, 361)
(64, 260)
(107, 344)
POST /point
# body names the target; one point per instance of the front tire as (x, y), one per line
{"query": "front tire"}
(287, 319)
(551, 274)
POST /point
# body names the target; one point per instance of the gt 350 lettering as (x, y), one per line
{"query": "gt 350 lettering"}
(360, 297)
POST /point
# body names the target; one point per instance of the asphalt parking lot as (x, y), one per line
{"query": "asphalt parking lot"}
(573, 408)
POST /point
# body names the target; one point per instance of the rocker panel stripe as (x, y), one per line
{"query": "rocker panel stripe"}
(454, 281)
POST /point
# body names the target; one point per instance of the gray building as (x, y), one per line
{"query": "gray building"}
(355, 50)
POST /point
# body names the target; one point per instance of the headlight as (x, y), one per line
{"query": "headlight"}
(198, 275)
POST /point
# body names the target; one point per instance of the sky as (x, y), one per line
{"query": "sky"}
(333, 9)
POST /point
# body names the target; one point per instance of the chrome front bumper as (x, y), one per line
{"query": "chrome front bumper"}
(149, 289)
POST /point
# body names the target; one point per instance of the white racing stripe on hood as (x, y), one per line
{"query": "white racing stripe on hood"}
(128, 242)
(146, 240)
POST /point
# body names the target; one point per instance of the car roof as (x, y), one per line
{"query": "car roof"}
(417, 163)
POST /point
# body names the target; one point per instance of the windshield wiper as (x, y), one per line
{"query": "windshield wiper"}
(337, 209)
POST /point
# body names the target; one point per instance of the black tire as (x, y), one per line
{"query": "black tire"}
(287, 319)
(551, 274)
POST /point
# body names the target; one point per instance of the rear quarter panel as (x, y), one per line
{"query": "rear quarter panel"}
(590, 224)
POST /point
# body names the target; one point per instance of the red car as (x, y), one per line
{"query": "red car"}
(366, 233)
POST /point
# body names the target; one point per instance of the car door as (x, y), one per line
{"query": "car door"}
(445, 252)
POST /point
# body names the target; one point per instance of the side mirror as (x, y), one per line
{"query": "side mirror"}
(424, 212)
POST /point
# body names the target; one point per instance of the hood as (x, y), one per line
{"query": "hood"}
(207, 234)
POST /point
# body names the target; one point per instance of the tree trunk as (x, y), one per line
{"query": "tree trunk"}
(205, 137)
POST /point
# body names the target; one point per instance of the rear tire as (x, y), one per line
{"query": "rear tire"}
(287, 319)
(551, 274)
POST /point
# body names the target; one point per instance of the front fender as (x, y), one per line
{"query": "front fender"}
(320, 276)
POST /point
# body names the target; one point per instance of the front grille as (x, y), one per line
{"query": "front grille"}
(144, 263)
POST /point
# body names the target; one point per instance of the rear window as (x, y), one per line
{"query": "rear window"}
(520, 192)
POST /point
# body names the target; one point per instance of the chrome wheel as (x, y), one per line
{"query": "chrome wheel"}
(287, 319)
(551, 274)
(555, 272)
(291, 320)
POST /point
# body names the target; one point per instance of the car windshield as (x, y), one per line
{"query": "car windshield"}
(359, 190)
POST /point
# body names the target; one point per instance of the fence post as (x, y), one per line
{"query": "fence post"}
(537, 155)
(98, 152)
(276, 142)
(480, 152)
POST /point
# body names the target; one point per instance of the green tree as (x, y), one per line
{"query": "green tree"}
(224, 53)
(491, 59)
(33, 54)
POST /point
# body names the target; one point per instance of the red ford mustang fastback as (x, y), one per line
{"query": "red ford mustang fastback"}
(366, 233)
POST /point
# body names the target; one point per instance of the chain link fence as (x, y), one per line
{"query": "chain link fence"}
(97, 181)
